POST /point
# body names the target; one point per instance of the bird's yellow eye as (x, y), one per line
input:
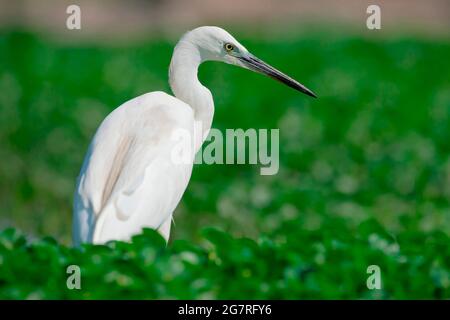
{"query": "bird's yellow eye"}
(229, 47)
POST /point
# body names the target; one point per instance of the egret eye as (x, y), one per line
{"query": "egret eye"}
(228, 47)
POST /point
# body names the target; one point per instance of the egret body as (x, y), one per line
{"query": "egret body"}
(128, 179)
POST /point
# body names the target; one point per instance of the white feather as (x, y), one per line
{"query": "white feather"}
(129, 179)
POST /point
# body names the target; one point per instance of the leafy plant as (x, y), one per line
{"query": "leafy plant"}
(330, 263)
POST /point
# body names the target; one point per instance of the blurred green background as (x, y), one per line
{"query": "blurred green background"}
(367, 161)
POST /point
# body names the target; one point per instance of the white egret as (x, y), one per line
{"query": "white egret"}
(128, 180)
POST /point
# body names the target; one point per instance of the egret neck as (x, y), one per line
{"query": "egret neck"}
(185, 85)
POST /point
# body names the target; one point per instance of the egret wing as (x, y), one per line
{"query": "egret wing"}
(129, 179)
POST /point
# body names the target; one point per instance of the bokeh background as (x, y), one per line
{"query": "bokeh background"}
(374, 146)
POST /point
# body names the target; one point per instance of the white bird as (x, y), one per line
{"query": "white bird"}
(129, 180)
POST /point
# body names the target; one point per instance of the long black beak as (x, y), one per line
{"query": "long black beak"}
(253, 63)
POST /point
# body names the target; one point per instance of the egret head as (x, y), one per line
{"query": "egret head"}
(216, 44)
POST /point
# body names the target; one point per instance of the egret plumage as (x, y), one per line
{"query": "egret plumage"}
(128, 179)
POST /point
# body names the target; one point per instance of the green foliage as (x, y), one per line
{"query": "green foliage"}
(364, 172)
(329, 264)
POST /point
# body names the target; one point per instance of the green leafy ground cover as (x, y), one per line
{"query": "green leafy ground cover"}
(364, 172)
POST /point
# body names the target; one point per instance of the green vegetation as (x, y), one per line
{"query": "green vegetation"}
(327, 263)
(364, 172)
